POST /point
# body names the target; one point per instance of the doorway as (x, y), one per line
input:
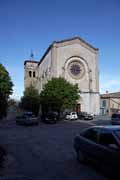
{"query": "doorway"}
(78, 108)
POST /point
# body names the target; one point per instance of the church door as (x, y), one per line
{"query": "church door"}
(78, 108)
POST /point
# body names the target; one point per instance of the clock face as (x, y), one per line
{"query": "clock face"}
(76, 69)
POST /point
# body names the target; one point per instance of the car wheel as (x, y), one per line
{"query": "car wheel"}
(80, 156)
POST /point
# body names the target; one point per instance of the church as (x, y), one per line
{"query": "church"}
(73, 59)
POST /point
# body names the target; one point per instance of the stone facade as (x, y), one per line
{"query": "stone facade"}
(77, 62)
(110, 103)
(30, 73)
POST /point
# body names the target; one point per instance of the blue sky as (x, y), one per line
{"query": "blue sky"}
(27, 25)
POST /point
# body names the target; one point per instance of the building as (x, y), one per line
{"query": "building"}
(110, 103)
(77, 62)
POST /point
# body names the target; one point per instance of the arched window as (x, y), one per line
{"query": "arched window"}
(30, 73)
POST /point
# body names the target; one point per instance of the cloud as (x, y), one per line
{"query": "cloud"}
(112, 85)
(17, 92)
(114, 82)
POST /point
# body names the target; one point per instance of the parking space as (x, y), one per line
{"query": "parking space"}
(44, 152)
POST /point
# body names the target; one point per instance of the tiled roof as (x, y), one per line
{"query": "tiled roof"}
(111, 95)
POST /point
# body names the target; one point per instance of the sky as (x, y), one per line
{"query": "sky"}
(27, 25)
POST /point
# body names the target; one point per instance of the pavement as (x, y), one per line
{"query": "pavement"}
(44, 152)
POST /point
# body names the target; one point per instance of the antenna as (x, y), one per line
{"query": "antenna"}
(31, 55)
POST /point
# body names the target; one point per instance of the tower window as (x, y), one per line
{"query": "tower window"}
(33, 73)
(30, 73)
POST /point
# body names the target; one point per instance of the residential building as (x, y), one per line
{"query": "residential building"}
(110, 103)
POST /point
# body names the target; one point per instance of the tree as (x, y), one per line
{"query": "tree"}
(6, 84)
(3, 105)
(5, 90)
(30, 100)
(58, 95)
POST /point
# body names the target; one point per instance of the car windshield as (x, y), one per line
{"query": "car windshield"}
(28, 114)
(118, 133)
(73, 113)
(116, 116)
(84, 113)
(68, 113)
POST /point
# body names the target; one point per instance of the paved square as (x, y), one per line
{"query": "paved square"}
(44, 152)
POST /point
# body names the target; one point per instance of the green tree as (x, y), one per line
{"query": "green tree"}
(30, 100)
(6, 86)
(3, 106)
(58, 94)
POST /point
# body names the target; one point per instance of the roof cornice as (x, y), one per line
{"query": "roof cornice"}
(76, 38)
(30, 61)
(67, 42)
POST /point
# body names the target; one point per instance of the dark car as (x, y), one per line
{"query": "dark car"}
(84, 116)
(51, 117)
(27, 119)
(101, 145)
(115, 119)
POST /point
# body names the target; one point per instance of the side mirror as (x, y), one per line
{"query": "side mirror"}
(114, 146)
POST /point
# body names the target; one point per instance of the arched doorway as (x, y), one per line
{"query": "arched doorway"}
(78, 108)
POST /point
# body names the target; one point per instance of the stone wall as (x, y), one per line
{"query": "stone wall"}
(57, 62)
(30, 80)
(44, 71)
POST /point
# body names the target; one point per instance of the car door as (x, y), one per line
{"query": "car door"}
(109, 150)
(89, 143)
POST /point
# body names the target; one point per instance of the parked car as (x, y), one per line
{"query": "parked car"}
(101, 145)
(27, 118)
(84, 116)
(51, 117)
(3, 153)
(115, 119)
(72, 116)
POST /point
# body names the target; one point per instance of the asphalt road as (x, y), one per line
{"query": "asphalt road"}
(44, 152)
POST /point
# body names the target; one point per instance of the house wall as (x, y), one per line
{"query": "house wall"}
(112, 105)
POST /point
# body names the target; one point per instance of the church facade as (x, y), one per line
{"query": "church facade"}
(77, 62)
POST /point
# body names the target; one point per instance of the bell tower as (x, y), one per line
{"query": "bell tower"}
(30, 72)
